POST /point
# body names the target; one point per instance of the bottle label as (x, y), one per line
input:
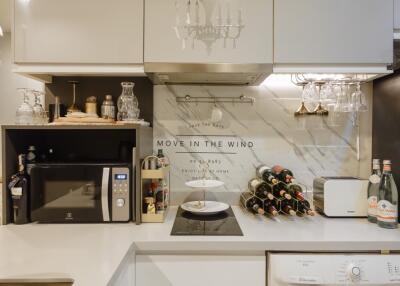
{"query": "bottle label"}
(386, 211)
(16, 191)
(372, 206)
(374, 179)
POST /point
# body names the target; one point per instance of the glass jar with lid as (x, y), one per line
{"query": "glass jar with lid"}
(108, 108)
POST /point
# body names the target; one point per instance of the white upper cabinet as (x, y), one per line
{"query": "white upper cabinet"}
(77, 31)
(397, 14)
(333, 32)
(209, 31)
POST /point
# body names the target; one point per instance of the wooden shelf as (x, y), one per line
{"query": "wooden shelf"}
(155, 174)
(160, 217)
(73, 127)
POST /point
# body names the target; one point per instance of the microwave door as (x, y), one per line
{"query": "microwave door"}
(104, 194)
(69, 193)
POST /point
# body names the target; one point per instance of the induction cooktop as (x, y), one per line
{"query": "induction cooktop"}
(224, 224)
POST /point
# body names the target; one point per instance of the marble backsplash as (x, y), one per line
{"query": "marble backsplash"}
(249, 135)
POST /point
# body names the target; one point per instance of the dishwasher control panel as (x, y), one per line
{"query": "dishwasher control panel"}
(333, 269)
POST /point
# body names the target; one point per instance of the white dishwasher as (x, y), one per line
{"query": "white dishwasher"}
(372, 269)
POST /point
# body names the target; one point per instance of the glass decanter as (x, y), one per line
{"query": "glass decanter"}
(128, 106)
(24, 114)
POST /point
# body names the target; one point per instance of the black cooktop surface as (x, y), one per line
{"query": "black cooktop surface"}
(224, 224)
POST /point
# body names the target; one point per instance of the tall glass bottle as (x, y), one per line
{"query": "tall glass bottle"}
(373, 190)
(387, 215)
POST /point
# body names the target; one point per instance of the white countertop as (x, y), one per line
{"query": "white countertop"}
(91, 253)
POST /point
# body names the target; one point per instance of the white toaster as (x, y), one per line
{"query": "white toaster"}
(341, 196)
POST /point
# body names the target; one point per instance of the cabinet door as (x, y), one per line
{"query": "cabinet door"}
(183, 270)
(76, 31)
(172, 35)
(333, 31)
(397, 14)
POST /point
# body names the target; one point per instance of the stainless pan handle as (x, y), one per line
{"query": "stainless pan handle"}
(104, 194)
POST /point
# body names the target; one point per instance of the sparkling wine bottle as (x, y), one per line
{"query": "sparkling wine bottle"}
(271, 207)
(304, 208)
(387, 215)
(280, 190)
(261, 189)
(296, 191)
(264, 172)
(252, 203)
(287, 207)
(373, 190)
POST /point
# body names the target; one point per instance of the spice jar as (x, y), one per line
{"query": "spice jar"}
(108, 108)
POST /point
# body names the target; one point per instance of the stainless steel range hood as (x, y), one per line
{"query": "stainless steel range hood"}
(212, 74)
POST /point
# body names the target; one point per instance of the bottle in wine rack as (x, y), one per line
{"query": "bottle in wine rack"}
(261, 189)
(304, 208)
(264, 172)
(271, 207)
(282, 174)
(252, 203)
(296, 191)
(280, 190)
(287, 207)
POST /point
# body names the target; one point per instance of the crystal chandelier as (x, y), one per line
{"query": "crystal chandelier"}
(207, 21)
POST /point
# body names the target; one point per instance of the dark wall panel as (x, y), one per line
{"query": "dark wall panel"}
(386, 121)
(100, 87)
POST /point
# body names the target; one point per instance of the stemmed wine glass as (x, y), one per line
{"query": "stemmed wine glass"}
(40, 116)
(343, 102)
(302, 110)
(358, 100)
(24, 113)
(320, 110)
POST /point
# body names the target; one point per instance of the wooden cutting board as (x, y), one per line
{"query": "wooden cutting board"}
(83, 120)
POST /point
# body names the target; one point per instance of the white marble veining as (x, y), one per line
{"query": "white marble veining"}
(91, 253)
(249, 135)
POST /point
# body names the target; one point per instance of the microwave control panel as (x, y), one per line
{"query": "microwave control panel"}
(333, 269)
(120, 194)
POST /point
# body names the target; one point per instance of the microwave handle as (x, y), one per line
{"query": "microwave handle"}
(104, 194)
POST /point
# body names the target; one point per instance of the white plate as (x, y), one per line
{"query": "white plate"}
(205, 207)
(205, 184)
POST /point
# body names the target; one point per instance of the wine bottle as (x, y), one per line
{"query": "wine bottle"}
(387, 215)
(261, 189)
(18, 187)
(252, 203)
(304, 208)
(285, 175)
(296, 191)
(264, 172)
(280, 191)
(270, 207)
(373, 190)
(287, 207)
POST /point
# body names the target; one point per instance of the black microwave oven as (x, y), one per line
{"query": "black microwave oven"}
(81, 193)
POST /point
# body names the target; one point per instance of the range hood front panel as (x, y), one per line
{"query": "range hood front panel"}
(211, 74)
